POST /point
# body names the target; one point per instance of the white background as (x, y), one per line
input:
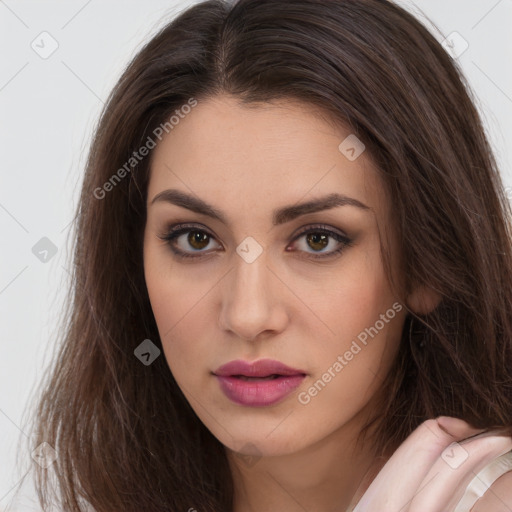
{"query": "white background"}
(47, 111)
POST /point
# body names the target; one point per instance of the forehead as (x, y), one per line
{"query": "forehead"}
(262, 156)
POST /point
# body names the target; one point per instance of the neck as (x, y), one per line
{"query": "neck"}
(329, 476)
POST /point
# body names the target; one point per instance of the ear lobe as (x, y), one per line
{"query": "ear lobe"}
(423, 300)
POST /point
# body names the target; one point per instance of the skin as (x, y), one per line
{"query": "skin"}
(498, 498)
(285, 305)
(432, 468)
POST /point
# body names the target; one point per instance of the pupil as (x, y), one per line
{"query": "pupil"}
(318, 238)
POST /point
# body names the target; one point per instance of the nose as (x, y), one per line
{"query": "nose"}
(253, 300)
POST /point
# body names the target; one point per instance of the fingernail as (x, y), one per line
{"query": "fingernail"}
(455, 426)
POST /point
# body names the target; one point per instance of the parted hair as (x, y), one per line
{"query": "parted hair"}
(126, 437)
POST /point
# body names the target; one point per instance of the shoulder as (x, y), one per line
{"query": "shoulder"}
(498, 498)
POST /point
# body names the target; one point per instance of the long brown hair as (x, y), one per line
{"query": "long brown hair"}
(125, 435)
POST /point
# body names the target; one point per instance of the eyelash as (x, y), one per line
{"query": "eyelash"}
(175, 231)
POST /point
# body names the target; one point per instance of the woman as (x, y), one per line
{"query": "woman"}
(295, 204)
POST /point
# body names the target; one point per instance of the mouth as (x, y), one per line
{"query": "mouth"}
(263, 369)
(259, 384)
(258, 391)
(269, 377)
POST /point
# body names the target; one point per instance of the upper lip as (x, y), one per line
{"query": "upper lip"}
(260, 368)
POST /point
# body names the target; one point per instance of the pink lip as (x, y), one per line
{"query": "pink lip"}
(258, 393)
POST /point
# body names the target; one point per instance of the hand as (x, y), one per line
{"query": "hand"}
(427, 473)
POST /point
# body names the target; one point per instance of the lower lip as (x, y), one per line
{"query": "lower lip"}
(259, 393)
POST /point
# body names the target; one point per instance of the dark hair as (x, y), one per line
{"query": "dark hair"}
(125, 435)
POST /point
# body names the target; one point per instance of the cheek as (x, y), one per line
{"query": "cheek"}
(356, 294)
(179, 302)
(172, 295)
(365, 320)
(178, 327)
(351, 365)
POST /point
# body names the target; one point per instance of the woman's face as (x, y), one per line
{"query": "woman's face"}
(264, 278)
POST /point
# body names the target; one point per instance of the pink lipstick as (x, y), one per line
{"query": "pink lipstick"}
(258, 384)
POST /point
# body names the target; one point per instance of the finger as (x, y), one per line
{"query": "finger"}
(398, 481)
(447, 480)
(456, 427)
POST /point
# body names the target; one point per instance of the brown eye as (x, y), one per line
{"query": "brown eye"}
(188, 241)
(317, 241)
(197, 239)
(320, 241)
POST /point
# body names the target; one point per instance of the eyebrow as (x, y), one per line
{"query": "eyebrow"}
(280, 215)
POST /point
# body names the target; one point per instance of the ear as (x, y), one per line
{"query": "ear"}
(423, 300)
